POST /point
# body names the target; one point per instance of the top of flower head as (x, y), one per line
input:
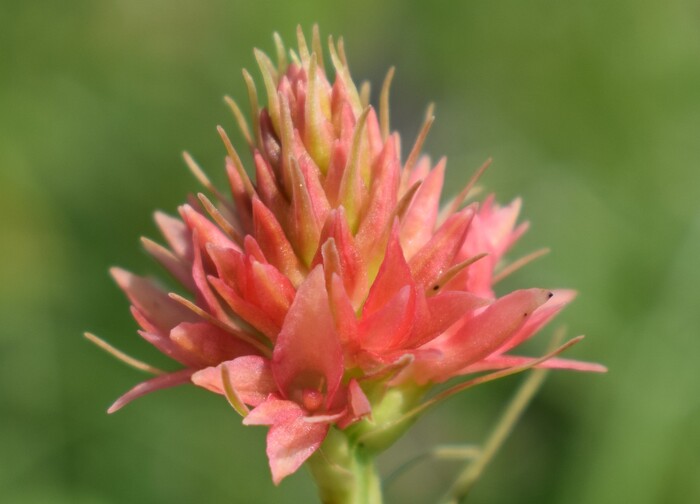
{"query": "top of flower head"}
(334, 269)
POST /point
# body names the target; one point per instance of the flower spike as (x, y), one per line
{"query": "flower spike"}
(329, 295)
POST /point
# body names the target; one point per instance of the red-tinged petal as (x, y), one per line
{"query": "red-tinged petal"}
(307, 353)
(304, 223)
(230, 267)
(290, 444)
(351, 265)
(311, 176)
(252, 249)
(358, 405)
(382, 199)
(266, 186)
(151, 301)
(252, 314)
(207, 231)
(274, 243)
(374, 136)
(274, 411)
(511, 361)
(483, 334)
(176, 234)
(177, 267)
(343, 313)
(168, 347)
(271, 291)
(540, 317)
(418, 224)
(339, 158)
(157, 383)
(439, 253)
(209, 343)
(393, 275)
(251, 378)
(441, 312)
(240, 195)
(205, 296)
(388, 327)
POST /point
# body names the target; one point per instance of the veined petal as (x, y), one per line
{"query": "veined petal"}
(419, 223)
(151, 301)
(307, 353)
(393, 275)
(291, 443)
(209, 343)
(251, 378)
(438, 254)
(274, 243)
(157, 383)
(510, 361)
(483, 334)
(388, 327)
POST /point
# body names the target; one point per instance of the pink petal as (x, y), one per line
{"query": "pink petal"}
(308, 353)
(151, 301)
(393, 275)
(390, 326)
(209, 343)
(176, 234)
(540, 317)
(157, 383)
(252, 314)
(251, 378)
(207, 231)
(418, 224)
(270, 235)
(351, 265)
(483, 334)
(438, 254)
(383, 197)
(441, 312)
(291, 443)
(509, 361)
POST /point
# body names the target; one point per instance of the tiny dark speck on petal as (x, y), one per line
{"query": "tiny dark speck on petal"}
(436, 287)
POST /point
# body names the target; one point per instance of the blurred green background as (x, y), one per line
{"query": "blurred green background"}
(591, 111)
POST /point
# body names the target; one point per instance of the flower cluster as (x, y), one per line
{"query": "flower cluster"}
(332, 292)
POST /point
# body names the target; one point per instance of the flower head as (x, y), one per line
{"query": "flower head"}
(333, 278)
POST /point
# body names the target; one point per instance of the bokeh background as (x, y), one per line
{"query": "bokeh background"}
(591, 111)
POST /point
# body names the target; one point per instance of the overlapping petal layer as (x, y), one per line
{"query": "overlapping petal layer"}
(333, 274)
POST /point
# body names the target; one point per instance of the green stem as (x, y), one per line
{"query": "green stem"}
(344, 472)
(471, 473)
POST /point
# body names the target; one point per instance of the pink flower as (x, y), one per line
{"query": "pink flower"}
(334, 277)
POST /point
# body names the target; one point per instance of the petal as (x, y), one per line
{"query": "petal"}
(441, 312)
(210, 344)
(418, 224)
(157, 383)
(251, 378)
(393, 275)
(308, 353)
(151, 301)
(388, 327)
(509, 361)
(540, 317)
(291, 443)
(176, 234)
(482, 334)
(274, 243)
(439, 253)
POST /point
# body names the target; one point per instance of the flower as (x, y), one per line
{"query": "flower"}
(332, 292)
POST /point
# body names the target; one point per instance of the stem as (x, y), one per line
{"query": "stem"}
(344, 472)
(471, 473)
